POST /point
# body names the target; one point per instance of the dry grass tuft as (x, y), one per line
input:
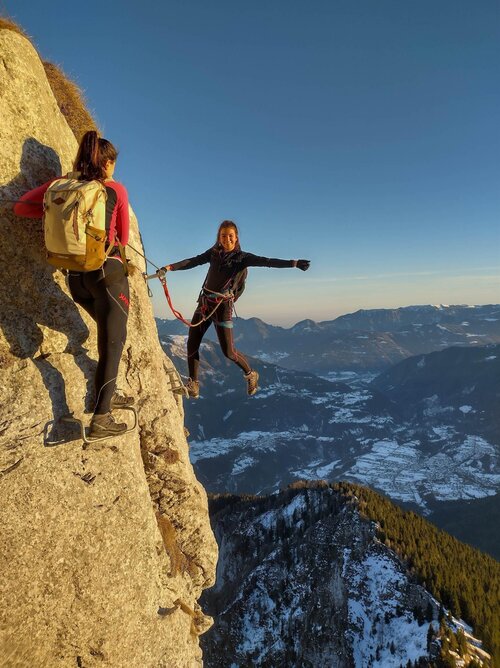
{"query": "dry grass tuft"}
(70, 100)
(8, 24)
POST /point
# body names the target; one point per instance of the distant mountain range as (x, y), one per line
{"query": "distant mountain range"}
(425, 431)
(459, 379)
(368, 340)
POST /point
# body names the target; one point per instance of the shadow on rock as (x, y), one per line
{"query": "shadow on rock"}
(31, 297)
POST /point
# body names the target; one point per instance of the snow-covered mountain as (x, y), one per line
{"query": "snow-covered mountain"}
(426, 432)
(456, 380)
(368, 340)
(303, 581)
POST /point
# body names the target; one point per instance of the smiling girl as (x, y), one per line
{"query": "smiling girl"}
(221, 288)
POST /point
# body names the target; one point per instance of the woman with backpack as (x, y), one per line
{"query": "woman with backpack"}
(223, 285)
(103, 292)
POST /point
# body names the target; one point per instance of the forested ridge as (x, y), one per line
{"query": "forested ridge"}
(463, 579)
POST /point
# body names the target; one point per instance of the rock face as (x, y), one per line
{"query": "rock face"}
(105, 548)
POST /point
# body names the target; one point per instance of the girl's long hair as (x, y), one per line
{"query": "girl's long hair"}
(93, 153)
(231, 225)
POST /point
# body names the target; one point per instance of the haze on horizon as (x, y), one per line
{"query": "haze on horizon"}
(320, 300)
(361, 136)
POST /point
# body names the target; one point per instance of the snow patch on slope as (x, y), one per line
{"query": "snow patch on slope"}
(375, 592)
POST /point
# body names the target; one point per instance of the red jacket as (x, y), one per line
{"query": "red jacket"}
(30, 205)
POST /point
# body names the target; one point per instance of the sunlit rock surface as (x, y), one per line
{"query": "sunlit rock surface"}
(106, 549)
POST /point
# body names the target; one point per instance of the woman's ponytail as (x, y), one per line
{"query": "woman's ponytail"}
(93, 153)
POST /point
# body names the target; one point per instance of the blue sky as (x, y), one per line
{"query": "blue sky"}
(361, 135)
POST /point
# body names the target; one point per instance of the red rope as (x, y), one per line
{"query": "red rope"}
(178, 314)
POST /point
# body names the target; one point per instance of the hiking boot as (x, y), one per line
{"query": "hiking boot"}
(103, 426)
(193, 388)
(121, 401)
(252, 378)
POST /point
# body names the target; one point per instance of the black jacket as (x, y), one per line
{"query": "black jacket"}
(225, 266)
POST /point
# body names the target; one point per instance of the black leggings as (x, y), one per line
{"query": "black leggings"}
(222, 319)
(104, 294)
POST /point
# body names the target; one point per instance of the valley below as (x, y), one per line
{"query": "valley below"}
(424, 431)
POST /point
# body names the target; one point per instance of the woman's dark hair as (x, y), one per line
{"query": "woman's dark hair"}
(231, 225)
(93, 153)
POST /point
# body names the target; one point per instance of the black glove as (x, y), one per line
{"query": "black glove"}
(303, 265)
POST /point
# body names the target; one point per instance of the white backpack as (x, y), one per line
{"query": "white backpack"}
(75, 224)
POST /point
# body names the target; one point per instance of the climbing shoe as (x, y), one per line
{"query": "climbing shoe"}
(103, 426)
(121, 401)
(193, 388)
(252, 378)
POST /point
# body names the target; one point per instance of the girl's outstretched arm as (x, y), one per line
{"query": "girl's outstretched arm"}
(190, 262)
(251, 260)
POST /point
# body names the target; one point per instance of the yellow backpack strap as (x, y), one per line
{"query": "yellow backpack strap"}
(96, 198)
(109, 249)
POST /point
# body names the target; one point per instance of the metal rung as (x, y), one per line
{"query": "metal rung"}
(72, 419)
(176, 384)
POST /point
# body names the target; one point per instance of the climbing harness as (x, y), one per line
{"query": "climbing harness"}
(209, 295)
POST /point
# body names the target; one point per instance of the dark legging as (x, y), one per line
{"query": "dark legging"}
(222, 319)
(104, 294)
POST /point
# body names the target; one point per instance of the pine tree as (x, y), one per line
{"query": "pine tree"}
(461, 642)
(430, 636)
(445, 658)
(453, 642)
